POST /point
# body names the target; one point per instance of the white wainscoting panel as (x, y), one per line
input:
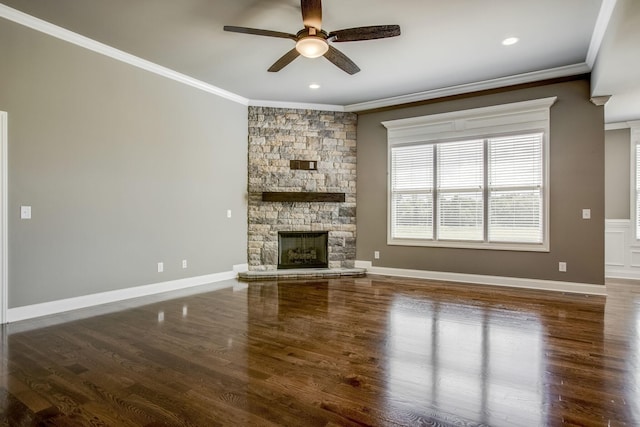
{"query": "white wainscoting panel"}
(615, 242)
(621, 253)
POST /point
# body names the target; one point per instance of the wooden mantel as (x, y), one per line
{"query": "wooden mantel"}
(306, 196)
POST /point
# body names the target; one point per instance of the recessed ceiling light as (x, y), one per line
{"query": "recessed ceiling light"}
(314, 86)
(510, 41)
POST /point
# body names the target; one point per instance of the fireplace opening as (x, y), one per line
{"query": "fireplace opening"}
(303, 249)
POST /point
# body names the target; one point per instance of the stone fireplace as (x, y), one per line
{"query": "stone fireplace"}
(310, 157)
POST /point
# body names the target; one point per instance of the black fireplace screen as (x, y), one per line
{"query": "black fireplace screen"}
(303, 249)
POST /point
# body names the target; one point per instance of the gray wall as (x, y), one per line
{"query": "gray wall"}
(577, 182)
(122, 168)
(617, 174)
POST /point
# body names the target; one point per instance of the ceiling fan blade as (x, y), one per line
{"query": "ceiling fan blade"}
(312, 13)
(365, 33)
(254, 31)
(284, 60)
(341, 61)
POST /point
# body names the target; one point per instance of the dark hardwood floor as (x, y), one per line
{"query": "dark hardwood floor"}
(340, 352)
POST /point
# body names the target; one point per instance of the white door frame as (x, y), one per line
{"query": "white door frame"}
(4, 236)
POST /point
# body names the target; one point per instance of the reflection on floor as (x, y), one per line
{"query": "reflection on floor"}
(460, 359)
(349, 351)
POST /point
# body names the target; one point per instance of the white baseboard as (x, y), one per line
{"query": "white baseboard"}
(513, 282)
(241, 268)
(622, 273)
(363, 264)
(59, 306)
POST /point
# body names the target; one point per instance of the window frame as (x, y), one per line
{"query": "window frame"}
(634, 138)
(480, 123)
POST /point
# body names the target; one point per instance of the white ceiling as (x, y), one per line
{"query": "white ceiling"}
(617, 69)
(443, 44)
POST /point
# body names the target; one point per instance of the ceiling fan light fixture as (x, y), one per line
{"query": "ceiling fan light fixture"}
(312, 41)
(312, 46)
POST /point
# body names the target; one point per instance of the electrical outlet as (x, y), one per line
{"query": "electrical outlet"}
(586, 213)
(562, 266)
(184, 263)
(160, 267)
(376, 254)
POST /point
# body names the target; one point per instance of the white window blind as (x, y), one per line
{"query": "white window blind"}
(460, 189)
(412, 189)
(515, 189)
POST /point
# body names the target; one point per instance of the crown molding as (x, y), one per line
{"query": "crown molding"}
(600, 101)
(551, 73)
(296, 105)
(600, 29)
(634, 125)
(617, 125)
(103, 49)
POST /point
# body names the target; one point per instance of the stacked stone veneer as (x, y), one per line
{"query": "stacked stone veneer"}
(277, 136)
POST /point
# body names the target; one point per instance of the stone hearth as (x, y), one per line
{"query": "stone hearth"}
(305, 273)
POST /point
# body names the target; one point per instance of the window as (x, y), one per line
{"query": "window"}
(637, 191)
(449, 186)
(444, 184)
(516, 189)
(413, 191)
(635, 172)
(460, 187)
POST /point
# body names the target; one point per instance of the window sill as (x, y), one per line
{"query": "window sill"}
(516, 247)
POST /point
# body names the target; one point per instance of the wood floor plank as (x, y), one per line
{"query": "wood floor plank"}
(377, 351)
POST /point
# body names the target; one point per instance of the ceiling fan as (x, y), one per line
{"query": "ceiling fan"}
(313, 41)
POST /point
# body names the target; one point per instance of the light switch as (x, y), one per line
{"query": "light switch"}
(25, 212)
(586, 213)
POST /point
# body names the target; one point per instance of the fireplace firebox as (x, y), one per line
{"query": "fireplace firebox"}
(303, 249)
